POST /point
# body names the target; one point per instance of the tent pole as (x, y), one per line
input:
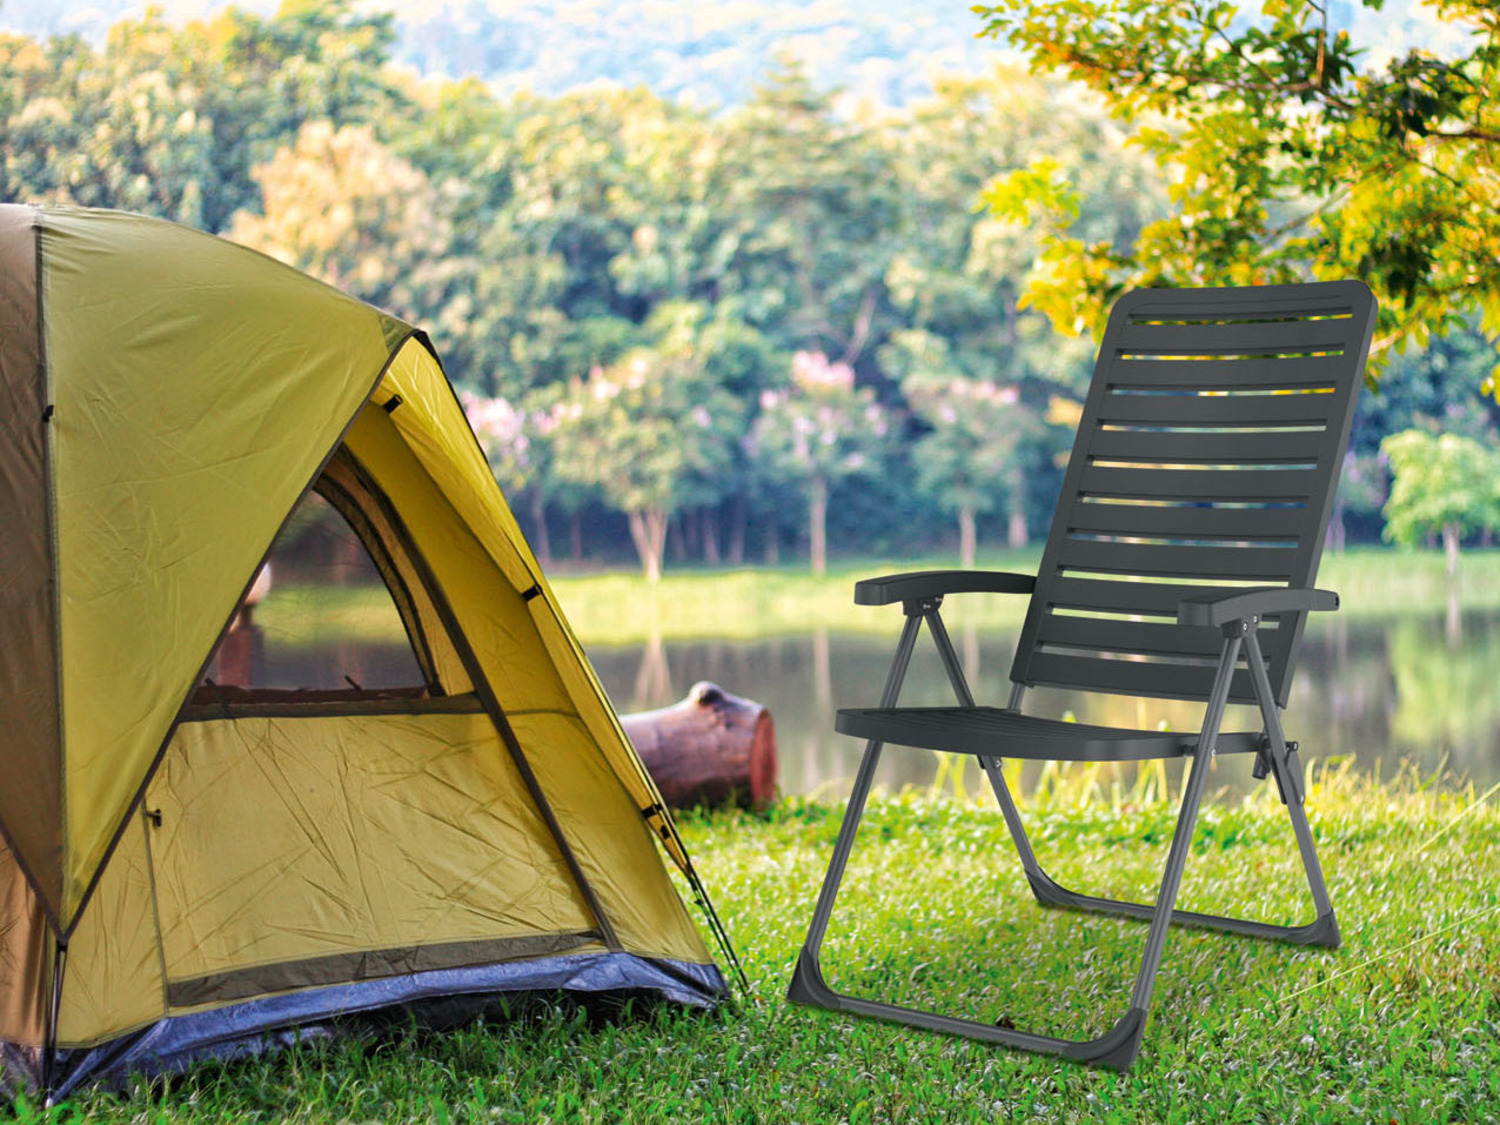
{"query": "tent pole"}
(54, 1014)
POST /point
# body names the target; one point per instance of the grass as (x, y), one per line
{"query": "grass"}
(618, 607)
(1401, 1024)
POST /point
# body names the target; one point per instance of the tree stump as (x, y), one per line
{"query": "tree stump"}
(711, 748)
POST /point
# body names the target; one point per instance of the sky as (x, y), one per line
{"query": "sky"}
(1399, 25)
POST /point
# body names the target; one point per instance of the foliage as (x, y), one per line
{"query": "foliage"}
(1402, 1023)
(343, 207)
(538, 238)
(504, 434)
(170, 121)
(1286, 156)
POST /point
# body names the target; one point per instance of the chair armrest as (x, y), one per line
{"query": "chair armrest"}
(1236, 605)
(932, 583)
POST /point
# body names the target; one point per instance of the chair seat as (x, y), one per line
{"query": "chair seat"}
(996, 733)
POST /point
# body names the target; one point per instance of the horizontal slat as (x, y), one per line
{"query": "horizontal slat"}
(1262, 564)
(1108, 635)
(992, 732)
(1243, 485)
(1227, 374)
(1108, 596)
(1220, 448)
(1236, 304)
(1300, 408)
(1153, 521)
(1128, 677)
(1274, 336)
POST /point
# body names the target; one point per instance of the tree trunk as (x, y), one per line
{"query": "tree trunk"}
(539, 519)
(739, 516)
(773, 544)
(677, 539)
(1450, 548)
(575, 534)
(817, 517)
(966, 538)
(709, 748)
(711, 536)
(648, 531)
(1336, 533)
(1016, 534)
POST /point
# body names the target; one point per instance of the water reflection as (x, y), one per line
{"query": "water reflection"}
(1416, 688)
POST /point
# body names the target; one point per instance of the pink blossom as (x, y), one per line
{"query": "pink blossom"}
(813, 371)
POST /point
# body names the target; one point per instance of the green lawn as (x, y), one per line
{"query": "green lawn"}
(1401, 1024)
(620, 608)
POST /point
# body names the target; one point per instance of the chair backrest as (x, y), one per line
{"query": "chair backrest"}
(1207, 456)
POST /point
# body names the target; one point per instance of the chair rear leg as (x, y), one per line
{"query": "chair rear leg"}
(1322, 931)
(807, 985)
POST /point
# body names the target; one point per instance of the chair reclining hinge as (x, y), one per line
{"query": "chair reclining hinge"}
(921, 607)
(1264, 765)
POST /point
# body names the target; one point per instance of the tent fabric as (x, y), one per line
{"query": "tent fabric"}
(189, 416)
(23, 955)
(222, 868)
(29, 736)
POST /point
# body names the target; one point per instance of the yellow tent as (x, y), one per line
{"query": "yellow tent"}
(187, 864)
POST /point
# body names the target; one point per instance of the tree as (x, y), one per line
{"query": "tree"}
(1286, 156)
(651, 433)
(974, 455)
(816, 432)
(1448, 484)
(958, 274)
(170, 120)
(811, 199)
(1361, 490)
(343, 207)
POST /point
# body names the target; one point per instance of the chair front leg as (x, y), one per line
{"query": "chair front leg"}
(810, 980)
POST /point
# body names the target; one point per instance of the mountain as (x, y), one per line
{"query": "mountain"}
(710, 52)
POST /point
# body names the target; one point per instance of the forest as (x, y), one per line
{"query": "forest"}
(687, 335)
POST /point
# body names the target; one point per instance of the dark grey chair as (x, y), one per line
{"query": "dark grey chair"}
(1180, 565)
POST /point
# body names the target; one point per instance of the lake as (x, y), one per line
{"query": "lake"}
(1412, 687)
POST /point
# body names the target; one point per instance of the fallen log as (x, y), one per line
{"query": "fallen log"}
(711, 748)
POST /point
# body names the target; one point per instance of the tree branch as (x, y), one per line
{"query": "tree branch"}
(862, 321)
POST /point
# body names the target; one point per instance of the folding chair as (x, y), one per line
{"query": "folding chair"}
(1180, 565)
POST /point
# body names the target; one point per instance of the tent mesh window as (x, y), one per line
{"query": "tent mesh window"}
(325, 619)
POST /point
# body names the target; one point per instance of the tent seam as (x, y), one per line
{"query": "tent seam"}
(539, 580)
(54, 587)
(482, 686)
